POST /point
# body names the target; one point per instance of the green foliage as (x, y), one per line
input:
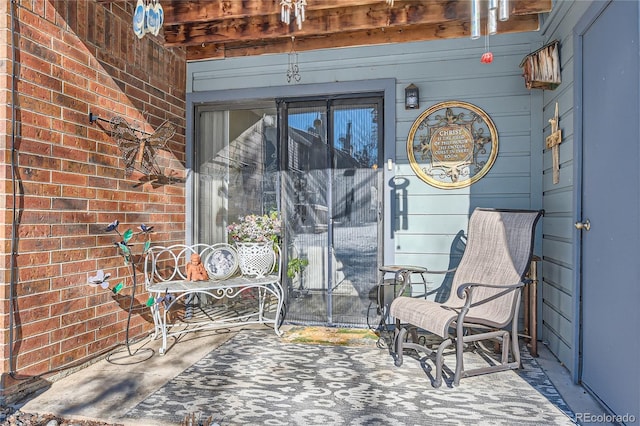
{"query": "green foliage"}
(296, 266)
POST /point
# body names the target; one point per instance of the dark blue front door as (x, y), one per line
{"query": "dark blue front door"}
(610, 201)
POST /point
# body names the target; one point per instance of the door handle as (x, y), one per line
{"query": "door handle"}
(586, 225)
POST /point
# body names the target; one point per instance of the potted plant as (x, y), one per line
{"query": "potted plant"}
(295, 267)
(254, 237)
(255, 229)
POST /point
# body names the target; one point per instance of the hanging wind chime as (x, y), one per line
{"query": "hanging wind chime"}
(497, 10)
(293, 71)
(295, 6)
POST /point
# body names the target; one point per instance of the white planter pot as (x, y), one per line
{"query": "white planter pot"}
(255, 259)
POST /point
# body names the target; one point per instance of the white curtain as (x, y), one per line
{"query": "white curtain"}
(212, 155)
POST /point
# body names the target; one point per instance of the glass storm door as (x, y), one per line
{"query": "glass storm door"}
(332, 206)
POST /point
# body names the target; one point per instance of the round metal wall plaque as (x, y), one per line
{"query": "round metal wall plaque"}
(452, 145)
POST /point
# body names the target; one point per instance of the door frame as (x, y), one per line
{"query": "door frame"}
(387, 86)
(327, 106)
(578, 32)
(580, 29)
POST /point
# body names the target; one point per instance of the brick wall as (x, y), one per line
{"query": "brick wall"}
(76, 57)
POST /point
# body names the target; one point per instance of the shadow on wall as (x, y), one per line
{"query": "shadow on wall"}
(400, 211)
(458, 245)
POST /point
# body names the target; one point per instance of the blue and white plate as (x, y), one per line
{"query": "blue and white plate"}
(139, 19)
(159, 11)
(221, 263)
(152, 26)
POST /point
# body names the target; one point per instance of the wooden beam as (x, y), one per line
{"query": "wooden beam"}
(369, 16)
(378, 36)
(194, 11)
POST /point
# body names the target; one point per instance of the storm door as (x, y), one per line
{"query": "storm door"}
(332, 206)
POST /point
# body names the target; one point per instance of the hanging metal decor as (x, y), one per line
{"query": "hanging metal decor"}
(139, 149)
(148, 17)
(452, 145)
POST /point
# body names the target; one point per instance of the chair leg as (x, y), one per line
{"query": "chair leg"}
(440, 362)
(515, 346)
(398, 342)
(505, 348)
(459, 353)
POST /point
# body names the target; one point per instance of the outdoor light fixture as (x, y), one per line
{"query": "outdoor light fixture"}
(411, 97)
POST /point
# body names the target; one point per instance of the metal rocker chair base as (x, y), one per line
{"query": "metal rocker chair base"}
(399, 345)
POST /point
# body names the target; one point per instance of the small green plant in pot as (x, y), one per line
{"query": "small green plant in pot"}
(296, 266)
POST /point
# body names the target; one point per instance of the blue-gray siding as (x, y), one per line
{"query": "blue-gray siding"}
(427, 219)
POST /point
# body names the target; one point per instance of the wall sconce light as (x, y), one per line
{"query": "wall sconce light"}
(411, 97)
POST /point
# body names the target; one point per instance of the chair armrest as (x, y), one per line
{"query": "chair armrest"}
(466, 287)
(465, 292)
(446, 271)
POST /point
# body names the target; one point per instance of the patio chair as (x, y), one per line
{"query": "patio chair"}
(484, 298)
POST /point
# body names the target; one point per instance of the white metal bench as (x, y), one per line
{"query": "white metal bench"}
(226, 299)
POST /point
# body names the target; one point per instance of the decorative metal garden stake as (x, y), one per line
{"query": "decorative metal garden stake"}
(124, 248)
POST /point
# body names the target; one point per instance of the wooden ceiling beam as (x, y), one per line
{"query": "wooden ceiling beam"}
(328, 21)
(377, 36)
(194, 11)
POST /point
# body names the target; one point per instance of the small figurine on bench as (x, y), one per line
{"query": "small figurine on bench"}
(195, 269)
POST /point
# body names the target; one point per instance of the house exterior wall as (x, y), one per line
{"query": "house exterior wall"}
(76, 57)
(443, 70)
(426, 219)
(73, 58)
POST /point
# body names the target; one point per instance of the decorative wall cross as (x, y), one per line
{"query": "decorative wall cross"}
(553, 142)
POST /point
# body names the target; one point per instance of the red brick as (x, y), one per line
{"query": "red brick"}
(78, 241)
(39, 161)
(76, 267)
(83, 70)
(69, 178)
(59, 72)
(78, 217)
(39, 327)
(37, 361)
(65, 47)
(103, 342)
(69, 204)
(68, 357)
(33, 287)
(67, 306)
(67, 332)
(36, 175)
(103, 205)
(70, 280)
(34, 231)
(78, 316)
(31, 146)
(34, 313)
(68, 255)
(38, 272)
(31, 259)
(38, 244)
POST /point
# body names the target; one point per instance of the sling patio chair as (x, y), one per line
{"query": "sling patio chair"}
(484, 298)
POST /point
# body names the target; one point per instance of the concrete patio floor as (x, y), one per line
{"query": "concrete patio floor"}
(107, 389)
